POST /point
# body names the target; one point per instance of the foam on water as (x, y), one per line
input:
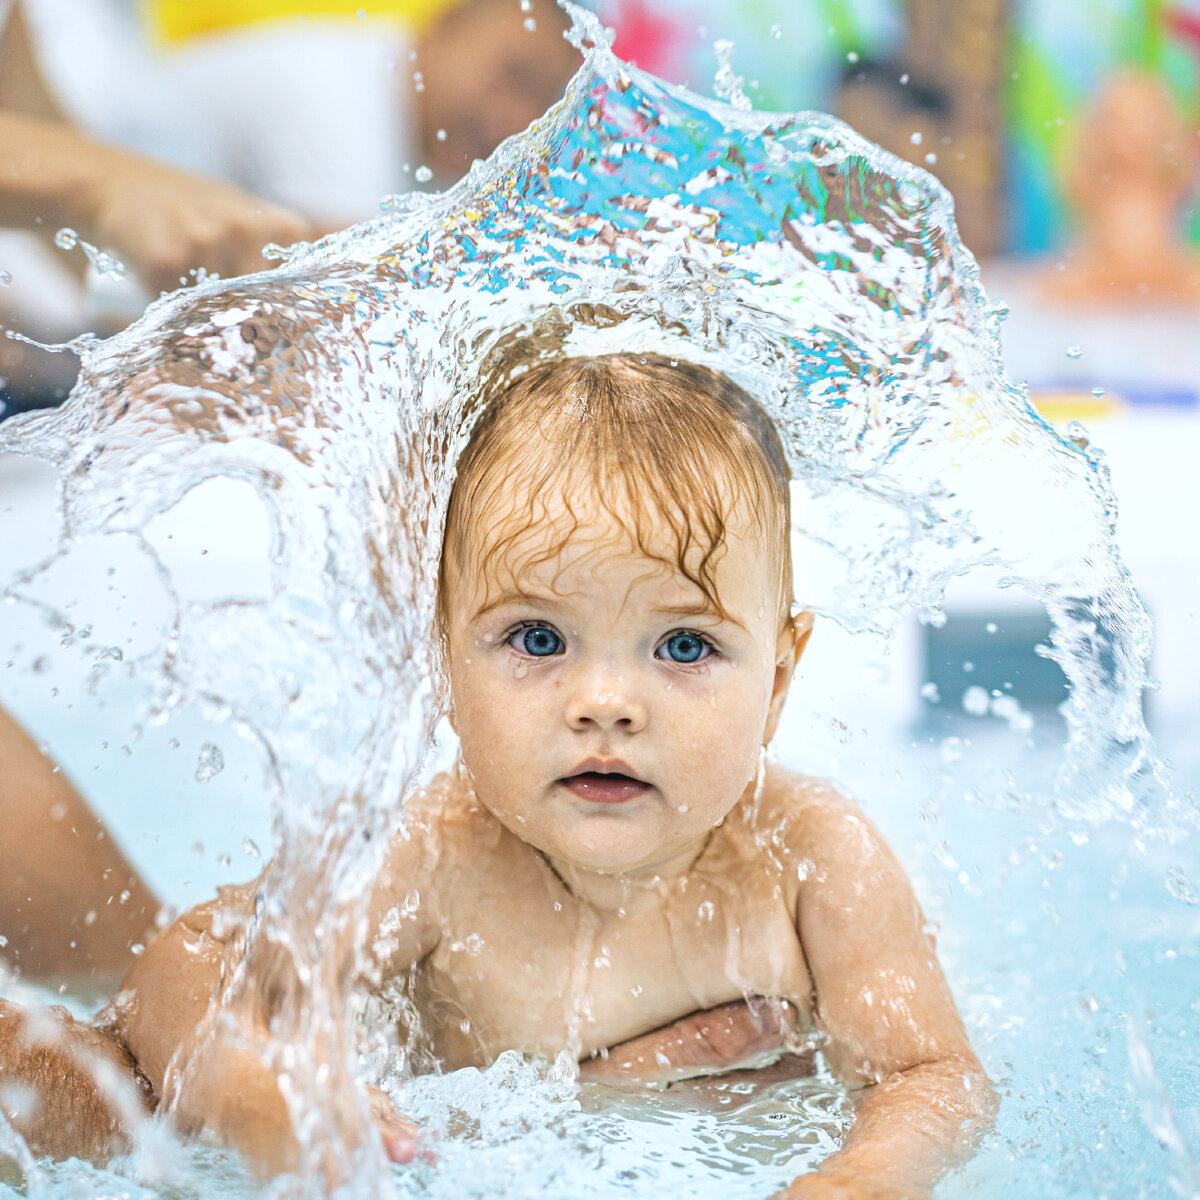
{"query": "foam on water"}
(816, 270)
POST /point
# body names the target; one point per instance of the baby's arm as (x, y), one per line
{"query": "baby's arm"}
(893, 1028)
(170, 1000)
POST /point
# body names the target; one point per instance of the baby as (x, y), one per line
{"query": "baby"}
(612, 853)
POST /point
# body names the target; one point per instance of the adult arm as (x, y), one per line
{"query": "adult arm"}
(160, 220)
(895, 1036)
(71, 905)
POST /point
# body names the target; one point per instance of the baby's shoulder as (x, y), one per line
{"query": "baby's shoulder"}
(443, 811)
(812, 821)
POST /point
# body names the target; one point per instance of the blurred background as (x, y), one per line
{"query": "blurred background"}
(1066, 132)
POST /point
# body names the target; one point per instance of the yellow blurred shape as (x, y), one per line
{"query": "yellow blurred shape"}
(1059, 407)
(182, 20)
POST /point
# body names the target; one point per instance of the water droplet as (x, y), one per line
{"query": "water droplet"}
(423, 174)
(975, 702)
(852, 56)
(931, 158)
(726, 85)
(5, 278)
(904, 79)
(929, 691)
(1180, 886)
(917, 137)
(526, 6)
(41, 664)
(951, 749)
(66, 238)
(530, 24)
(209, 763)
(224, 860)
(776, 32)
(1098, 392)
(706, 910)
(1074, 352)
(473, 943)
(441, 135)
(250, 847)
(418, 81)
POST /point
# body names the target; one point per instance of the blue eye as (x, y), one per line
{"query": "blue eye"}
(685, 648)
(537, 641)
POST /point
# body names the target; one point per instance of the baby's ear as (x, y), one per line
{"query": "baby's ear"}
(793, 637)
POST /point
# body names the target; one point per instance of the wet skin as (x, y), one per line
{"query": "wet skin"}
(608, 858)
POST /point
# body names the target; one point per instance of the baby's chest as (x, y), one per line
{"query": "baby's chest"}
(555, 975)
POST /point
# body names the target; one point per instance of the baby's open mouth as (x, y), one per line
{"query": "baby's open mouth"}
(603, 787)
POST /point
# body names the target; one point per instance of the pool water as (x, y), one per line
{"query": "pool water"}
(332, 397)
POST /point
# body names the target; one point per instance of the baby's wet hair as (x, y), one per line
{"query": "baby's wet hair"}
(656, 441)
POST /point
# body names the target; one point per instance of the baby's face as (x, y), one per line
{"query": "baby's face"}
(608, 715)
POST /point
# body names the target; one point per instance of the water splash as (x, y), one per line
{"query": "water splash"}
(814, 269)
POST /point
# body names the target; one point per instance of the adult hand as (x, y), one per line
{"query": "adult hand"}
(163, 222)
(835, 1185)
(741, 1034)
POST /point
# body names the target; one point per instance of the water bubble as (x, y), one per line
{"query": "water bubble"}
(209, 763)
(929, 691)
(5, 278)
(66, 238)
(951, 749)
(423, 174)
(975, 702)
(917, 137)
(1180, 886)
(931, 158)
(852, 56)
(1098, 393)
(1074, 352)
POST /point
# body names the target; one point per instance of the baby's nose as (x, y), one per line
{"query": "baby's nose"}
(605, 700)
